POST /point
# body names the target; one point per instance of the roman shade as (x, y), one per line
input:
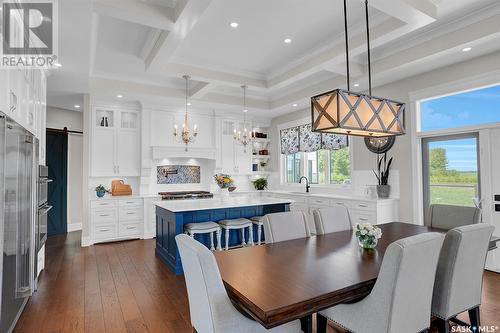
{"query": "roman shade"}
(303, 139)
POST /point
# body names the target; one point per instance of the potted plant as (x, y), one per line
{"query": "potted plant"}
(100, 191)
(382, 174)
(260, 184)
(368, 235)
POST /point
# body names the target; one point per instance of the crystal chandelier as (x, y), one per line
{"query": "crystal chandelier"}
(247, 136)
(347, 112)
(185, 136)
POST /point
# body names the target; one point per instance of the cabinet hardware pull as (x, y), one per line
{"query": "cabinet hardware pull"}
(363, 219)
(103, 230)
(129, 228)
(365, 206)
(131, 213)
(104, 215)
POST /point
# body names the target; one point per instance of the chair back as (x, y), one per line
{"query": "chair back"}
(460, 270)
(284, 226)
(402, 294)
(207, 296)
(332, 219)
(449, 217)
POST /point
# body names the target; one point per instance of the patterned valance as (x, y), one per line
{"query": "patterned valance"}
(302, 139)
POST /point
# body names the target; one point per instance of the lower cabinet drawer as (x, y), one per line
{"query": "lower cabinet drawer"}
(105, 216)
(105, 232)
(363, 217)
(130, 229)
(131, 213)
(364, 205)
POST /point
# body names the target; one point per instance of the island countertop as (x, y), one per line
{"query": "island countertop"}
(177, 206)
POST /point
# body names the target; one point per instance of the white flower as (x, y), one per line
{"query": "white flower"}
(363, 232)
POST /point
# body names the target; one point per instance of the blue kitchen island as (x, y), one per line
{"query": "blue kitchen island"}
(171, 216)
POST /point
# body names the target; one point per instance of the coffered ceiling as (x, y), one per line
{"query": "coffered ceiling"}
(141, 48)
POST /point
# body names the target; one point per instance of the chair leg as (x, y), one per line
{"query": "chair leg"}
(444, 326)
(250, 235)
(306, 324)
(219, 246)
(212, 248)
(227, 238)
(243, 237)
(321, 323)
(259, 234)
(475, 320)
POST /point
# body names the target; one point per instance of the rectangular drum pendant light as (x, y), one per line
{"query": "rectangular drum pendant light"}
(351, 113)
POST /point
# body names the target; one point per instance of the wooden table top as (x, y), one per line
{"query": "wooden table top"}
(281, 282)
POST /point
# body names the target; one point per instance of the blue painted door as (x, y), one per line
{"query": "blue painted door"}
(57, 161)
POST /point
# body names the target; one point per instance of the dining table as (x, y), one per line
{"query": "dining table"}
(285, 281)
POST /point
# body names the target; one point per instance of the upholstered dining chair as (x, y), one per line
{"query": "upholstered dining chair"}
(400, 300)
(449, 216)
(210, 308)
(279, 227)
(459, 276)
(332, 219)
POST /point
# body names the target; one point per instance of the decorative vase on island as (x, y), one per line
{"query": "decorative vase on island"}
(383, 191)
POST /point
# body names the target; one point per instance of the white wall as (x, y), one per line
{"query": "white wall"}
(401, 91)
(73, 120)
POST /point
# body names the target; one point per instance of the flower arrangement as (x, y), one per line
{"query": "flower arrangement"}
(368, 235)
(223, 180)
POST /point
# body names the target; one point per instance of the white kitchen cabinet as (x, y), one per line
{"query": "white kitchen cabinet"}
(115, 143)
(4, 90)
(234, 158)
(116, 219)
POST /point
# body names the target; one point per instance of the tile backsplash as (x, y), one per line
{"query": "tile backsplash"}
(178, 174)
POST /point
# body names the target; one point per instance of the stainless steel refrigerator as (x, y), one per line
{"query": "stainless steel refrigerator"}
(18, 175)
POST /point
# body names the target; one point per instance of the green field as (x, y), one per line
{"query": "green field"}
(458, 196)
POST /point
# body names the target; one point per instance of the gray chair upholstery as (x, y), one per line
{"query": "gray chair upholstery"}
(459, 274)
(401, 299)
(448, 217)
(284, 226)
(210, 308)
(332, 219)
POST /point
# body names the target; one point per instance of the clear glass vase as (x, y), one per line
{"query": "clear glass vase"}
(368, 242)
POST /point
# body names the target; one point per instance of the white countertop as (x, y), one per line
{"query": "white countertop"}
(123, 197)
(317, 195)
(176, 206)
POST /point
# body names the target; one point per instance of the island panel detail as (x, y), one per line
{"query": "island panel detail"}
(169, 224)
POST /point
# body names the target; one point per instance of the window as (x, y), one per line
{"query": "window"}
(293, 167)
(321, 167)
(478, 107)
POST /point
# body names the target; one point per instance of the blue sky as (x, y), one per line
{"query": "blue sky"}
(470, 108)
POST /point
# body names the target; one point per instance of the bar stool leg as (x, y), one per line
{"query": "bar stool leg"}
(243, 237)
(250, 234)
(192, 234)
(212, 248)
(227, 238)
(217, 233)
(259, 234)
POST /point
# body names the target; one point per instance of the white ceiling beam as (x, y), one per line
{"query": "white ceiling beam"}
(94, 28)
(187, 15)
(201, 90)
(139, 12)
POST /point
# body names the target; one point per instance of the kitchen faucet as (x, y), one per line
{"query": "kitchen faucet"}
(307, 183)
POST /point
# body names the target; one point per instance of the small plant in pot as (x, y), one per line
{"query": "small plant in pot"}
(260, 184)
(382, 174)
(100, 191)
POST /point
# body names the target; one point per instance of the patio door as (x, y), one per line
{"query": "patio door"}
(451, 173)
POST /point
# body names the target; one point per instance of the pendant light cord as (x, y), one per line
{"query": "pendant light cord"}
(186, 77)
(368, 46)
(347, 46)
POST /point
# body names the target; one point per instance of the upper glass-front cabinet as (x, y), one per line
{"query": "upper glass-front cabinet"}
(104, 118)
(129, 120)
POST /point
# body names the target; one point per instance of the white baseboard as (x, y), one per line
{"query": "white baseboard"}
(149, 235)
(86, 241)
(74, 226)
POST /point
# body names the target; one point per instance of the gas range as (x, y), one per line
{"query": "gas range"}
(185, 195)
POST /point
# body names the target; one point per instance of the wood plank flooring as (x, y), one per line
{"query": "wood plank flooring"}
(123, 287)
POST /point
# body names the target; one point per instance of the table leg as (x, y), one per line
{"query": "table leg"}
(321, 323)
(306, 324)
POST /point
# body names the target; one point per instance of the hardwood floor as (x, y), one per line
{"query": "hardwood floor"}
(123, 287)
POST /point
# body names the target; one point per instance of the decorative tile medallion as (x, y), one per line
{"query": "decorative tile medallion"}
(178, 174)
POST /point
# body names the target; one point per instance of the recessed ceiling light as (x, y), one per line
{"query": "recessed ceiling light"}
(288, 40)
(295, 105)
(234, 25)
(119, 96)
(77, 106)
(466, 49)
(58, 65)
(356, 84)
(188, 104)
